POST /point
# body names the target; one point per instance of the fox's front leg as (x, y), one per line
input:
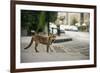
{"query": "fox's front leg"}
(36, 44)
(48, 47)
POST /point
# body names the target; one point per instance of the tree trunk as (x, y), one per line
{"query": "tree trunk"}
(58, 30)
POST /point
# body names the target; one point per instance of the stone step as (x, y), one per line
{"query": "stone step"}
(60, 39)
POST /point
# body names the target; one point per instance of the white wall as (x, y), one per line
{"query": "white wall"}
(5, 36)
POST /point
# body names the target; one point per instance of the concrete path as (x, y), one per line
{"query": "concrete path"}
(77, 49)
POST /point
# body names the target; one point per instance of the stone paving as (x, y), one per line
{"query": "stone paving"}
(77, 49)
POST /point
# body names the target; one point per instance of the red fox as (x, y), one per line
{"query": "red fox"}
(46, 40)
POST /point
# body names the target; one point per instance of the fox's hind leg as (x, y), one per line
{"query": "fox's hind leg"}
(36, 44)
